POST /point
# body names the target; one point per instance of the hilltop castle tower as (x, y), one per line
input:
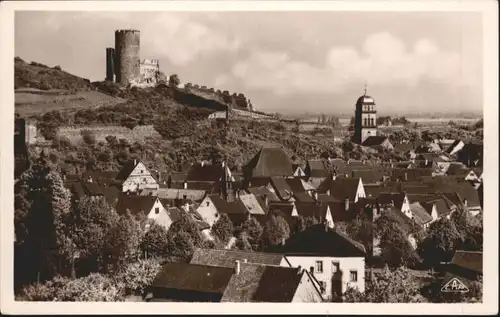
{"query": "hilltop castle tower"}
(127, 56)
(365, 119)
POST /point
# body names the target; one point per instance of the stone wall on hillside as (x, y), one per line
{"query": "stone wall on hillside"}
(139, 133)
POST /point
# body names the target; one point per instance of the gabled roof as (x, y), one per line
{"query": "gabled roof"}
(471, 260)
(193, 277)
(284, 209)
(227, 258)
(316, 168)
(388, 198)
(263, 191)
(307, 209)
(333, 243)
(303, 197)
(278, 284)
(403, 147)
(135, 204)
(127, 168)
(225, 207)
(251, 204)
(298, 185)
(340, 189)
(441, 206)
(269, 162)
(368, 176)
(375, 140)
(205, 173)
(281, 188)
(174, 193)
(420, 215)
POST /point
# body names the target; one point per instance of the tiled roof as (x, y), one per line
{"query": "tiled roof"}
(333, 243)
(227, 258)
(278, 284)
(193, 277)
(306, 209)
(471, 260)
(410, 174)
(281, 187)
(420, 215)
(135, 204)
(316, 168)
(374, 140)
(225, 207)
(303, 197)
(127, 169)
(174, 193)
(205, 173)
(242, 287)
(263, 191)
(269, 162)
(251, 204)
(178, 176)
(298, 185)
(341, 189)
(388, 198)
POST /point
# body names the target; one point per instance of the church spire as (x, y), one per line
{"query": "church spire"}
(365, 88)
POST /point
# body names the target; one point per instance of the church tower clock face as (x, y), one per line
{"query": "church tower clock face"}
(365, 118)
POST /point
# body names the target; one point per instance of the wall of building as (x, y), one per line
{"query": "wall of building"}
(127, 52)
(345, 264)
(149, 70)
(208, 211)
(306, 291)
(110, 64)
(162, 218)
(140, 178)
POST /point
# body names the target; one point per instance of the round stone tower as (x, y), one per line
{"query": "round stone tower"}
(127, 54)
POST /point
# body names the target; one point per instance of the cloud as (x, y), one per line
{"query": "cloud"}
(383, 60)
(183, 40)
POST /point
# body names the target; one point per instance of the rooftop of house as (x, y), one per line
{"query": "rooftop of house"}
(471, 260)
(136, 204)
(334, 243)
(227, 258)
(127, 169)
(298, 185)
(269, 162)
(263, 191)
(205, 172)
(281, 188)
(340, 188)
(174, 193)
(251, 204)
(420, 215)
(376, 140)
(193, 277)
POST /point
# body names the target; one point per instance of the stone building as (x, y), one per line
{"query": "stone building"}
(365, 119)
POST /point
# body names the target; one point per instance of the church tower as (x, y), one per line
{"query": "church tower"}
(365, 119)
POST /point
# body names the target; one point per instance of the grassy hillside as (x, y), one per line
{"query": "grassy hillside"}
(183, 133)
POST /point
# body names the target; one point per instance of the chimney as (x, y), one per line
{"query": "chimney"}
(328, 192)
(237, 268)
(346, 203)
(316, 196)
(89, 179)
(346, 175)
(406, 176)
(202, 163)
(185, 185)
(245, 261)
(135, 162)
(465, 203)
(266, 200)
(282, 241)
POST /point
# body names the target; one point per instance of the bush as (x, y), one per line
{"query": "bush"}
(136, 277)
(88, 137)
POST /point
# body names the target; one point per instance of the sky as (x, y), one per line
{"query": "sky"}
(287, 62)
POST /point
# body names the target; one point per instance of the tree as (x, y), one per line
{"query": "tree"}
(137, 276)
(155, 241)
(223, 228)
(183, 236)
(276, 230)
(253, 231)
(122, 242)
(396, 249)
(173, 80)
(243, 243)
(442, 240)
(388, 286)
(42, 208)
(92, 222)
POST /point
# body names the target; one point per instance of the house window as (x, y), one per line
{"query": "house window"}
(142, 171)
(157, 210)
(335, 267)
(208, 203)
(319, 266)
(311, 269)
(354, 276)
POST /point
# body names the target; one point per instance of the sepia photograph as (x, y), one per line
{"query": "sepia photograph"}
(230, 152)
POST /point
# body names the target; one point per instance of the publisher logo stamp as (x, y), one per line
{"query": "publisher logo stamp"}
(454, 286)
